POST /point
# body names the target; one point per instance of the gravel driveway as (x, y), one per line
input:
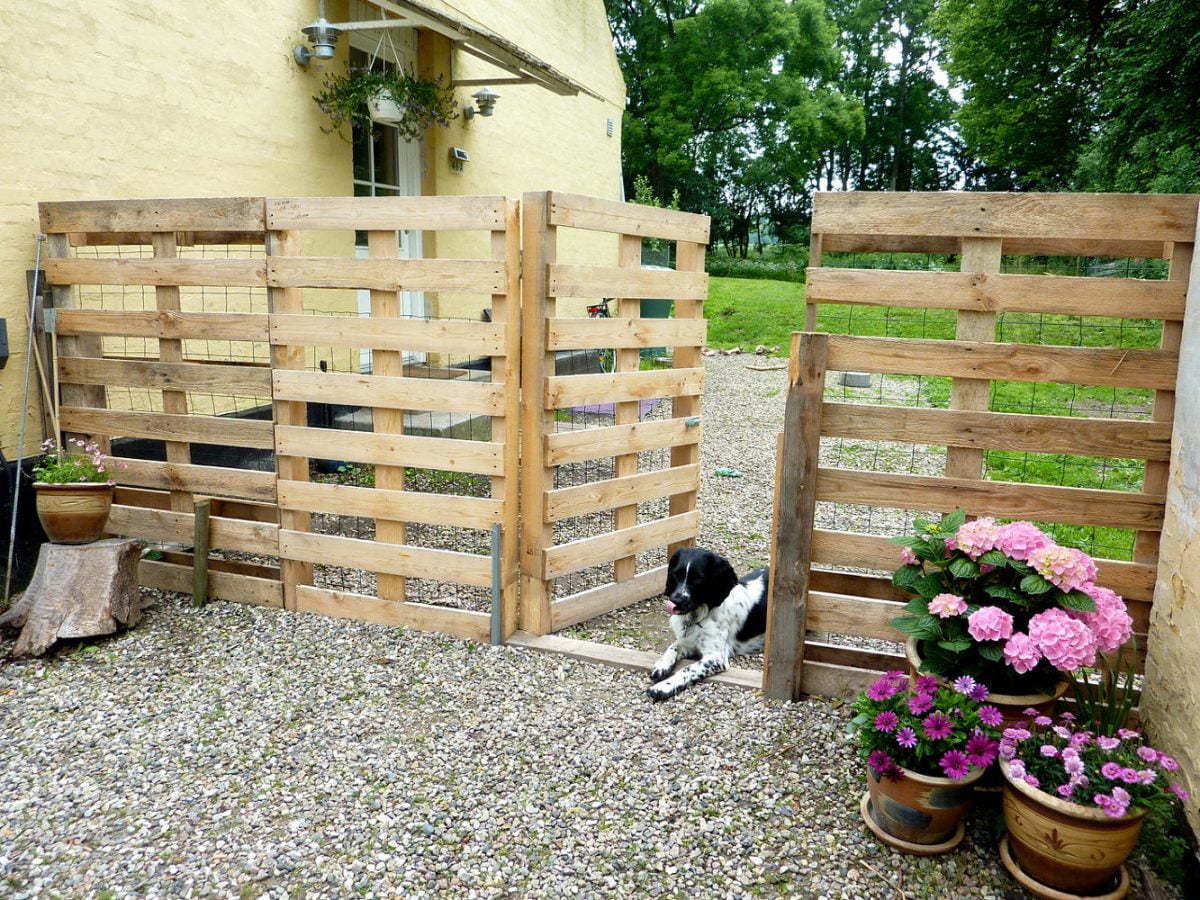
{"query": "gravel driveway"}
(239, 752)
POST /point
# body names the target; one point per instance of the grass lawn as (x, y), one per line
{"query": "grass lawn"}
(749, 312)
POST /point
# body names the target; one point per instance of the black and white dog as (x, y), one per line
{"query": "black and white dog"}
(714, 615)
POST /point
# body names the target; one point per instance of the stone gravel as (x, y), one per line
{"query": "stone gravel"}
(238, 752)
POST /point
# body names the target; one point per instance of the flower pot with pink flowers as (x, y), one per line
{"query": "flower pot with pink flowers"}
(1005, 605)
(925, 744)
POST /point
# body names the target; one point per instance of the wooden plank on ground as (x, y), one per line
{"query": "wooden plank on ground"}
(216, 430)
(581, 390)
(596, 443)
(1119, 438)
(231, 379)
(615, 217)
(432, 335)
(573, 556)
(1130, 298)
(211, 480)
(164, 324)
(615, 595)
(580, 500)
(379, 503)
(167, 525)
(475, 276)
(204, 214)
(587, 333)
(450, 454)
(462, 623)
(390, 559)
(627, 283)
(164, 271)
(1007, 362)
(389, 391)
(221, 585)
(385, 213)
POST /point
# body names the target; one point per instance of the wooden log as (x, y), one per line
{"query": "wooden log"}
(77, 590)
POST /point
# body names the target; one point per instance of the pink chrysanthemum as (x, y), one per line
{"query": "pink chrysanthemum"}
(1017, 540)
(978, 537)
(1178, 791)
(1022, 653)
(1111, 770)
(944, 606)
(990, 623)
(1065, 790)
(1110, 623)
(1148, 754)
(1108, 743)
(1016, 769)
(1066, 643)
(1073, 765)
(1049, 751)
(1064, 567)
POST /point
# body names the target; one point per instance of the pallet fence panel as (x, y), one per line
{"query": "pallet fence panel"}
(610, 465)
(989, 373)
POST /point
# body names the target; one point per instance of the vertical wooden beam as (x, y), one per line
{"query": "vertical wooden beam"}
(1154, 481)
(980, 255)
(814, 261)
(200, 545)
(628, 359)
(799, 449)
(506, 371)
(289, 301)
(538, 240)
(689, 257)
(385, 307)
(166, 299)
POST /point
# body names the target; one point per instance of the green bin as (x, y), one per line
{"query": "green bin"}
(655, 309)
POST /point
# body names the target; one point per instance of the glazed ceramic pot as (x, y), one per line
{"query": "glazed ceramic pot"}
(920, 814)
(73, 513)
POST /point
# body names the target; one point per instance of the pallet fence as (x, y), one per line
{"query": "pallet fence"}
(829, 581)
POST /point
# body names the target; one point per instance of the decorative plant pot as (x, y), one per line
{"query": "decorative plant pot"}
(73, 513)
(919, 814)
(1064, 849)
(385, 110)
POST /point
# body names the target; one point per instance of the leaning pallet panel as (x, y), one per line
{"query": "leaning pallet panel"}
(812, 591)
(618, 498)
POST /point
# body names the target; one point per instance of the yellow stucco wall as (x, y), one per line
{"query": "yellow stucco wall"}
(126, 99)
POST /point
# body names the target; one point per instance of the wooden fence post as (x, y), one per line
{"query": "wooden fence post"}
(506, 370)
(795, 504)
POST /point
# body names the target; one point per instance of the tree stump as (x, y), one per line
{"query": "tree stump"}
(77, 590)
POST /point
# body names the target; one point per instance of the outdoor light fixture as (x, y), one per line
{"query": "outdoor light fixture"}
(485, 99)
(321, 35)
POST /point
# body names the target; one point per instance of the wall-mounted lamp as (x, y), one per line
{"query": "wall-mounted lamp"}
(323, 37)
(485, 99)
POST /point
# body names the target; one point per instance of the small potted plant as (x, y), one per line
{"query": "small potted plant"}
(74, 491)
(925, 743)
(1005, 605)
(1075, 801)
(361, 96)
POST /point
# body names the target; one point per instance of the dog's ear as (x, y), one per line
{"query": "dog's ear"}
(719, 580)
(672, 574)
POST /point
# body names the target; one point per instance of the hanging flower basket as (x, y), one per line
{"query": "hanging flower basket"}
(390, 97)
(383, 108)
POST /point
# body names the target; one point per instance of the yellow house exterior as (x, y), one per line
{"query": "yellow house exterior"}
(127, 99)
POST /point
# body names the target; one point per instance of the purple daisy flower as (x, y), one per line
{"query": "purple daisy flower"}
(954, 764)
(879, 760)
(989, 715)
(979, 693)
(926, 684)
(981, 749)
(964, 684)
(906, 738)
(919, 704)
(882, 689)
(937, 726)
(886, 721)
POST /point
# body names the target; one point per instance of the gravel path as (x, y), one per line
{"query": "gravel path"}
(239, 752)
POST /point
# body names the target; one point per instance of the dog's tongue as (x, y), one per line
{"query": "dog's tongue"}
(669, 608)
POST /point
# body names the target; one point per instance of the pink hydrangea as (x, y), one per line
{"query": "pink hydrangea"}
(1022, 653)
(907, 557)
(1067, 643)
(946, 605)
(990, 623)
(1017, 540)
(978, 537)
(1110, 623)
(1064, 567)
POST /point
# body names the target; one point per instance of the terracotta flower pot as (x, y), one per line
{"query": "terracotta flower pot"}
(1065, 847)
(73, 513)
(920, 814)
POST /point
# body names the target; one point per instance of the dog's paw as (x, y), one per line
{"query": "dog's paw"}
(659, 693)
(657, 675)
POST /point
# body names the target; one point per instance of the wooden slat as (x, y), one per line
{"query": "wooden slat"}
(390, 559)
(1129, 298)
(689, 258)
(1120, 438)
(237, 380)
(166, 525)
(597, 601)
(575, 555)
(182, 238)
(462, 623)
(433, 335)
(875, 661)
(587, 333)
(596, 443)
(386, 213)
(166, 271)
(859, 616)
(378, 503)
(477, 457)
(857, 584)
(646, 284)
(164, 325)
(216, 430)
(613, 216)
(221, 585)
(581, 390)
(480, 276)
(216, 564)
(824, 679)
(1040, 502)
(1008, 362)
(211, 480)
(1150, 217)
(389, 392)
(631, 489)
(1013, 246)
(205, 214)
